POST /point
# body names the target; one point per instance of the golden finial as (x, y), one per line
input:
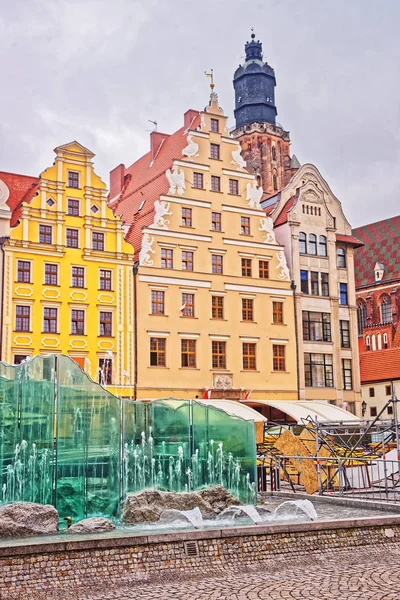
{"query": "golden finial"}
(211, 75)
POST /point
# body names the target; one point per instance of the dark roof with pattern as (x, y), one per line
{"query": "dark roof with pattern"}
(382, 241)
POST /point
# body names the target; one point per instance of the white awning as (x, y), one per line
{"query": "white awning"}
(231, 407)
(299, 410)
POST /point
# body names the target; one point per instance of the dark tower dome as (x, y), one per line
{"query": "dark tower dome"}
(254, 83)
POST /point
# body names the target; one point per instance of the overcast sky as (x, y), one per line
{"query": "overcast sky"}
(97, 70)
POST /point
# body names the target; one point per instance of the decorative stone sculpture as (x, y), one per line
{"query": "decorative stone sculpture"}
(237, 158)
(284, 270)
(144, 255)
(4, 193)
(176, 180)
(254, 195)
(192, 149)
(267, 225)
(92, 525)
(161, 209)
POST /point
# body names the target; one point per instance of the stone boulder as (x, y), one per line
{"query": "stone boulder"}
(149, 504)
(92, 525)
(22, 519)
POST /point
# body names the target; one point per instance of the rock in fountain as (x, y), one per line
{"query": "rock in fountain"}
(173, 517)
(149, 504)
(92, 525)
(21, 519)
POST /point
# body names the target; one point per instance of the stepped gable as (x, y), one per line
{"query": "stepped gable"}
(382, 240)
(22, 189)
(380, 365)
(145, 181)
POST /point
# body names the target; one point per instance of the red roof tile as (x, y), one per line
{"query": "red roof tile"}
(283, 215)
(380, 365)
(382, 241)
(22, 189)
(349, 239)
(145, 180)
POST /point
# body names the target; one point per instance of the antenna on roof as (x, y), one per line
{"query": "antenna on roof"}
(154, 123)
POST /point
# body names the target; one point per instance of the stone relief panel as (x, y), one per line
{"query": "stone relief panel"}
(254, 195)
(162, 209)
(176, 180)
(282, 267)
(222, 382)
(267, 225)
(192, 149)
(146, 250)
(237, 158)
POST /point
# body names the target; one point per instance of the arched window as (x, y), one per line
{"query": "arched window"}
(361, 316)
(373, 342)
(341, 258)
(302, 243)
(385, 342)
(275, 181)
(322, 248)
(312, 243)
(386, 309)
(273, 153)
(379, 341)
(367, 343)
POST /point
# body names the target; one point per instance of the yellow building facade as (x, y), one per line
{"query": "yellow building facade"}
(214, 303)
(68, 280)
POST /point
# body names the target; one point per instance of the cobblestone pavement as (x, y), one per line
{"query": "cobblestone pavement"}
(364, 573)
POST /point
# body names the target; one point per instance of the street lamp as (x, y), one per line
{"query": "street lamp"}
(363, 408)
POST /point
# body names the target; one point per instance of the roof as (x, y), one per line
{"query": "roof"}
(380, 365)
(231, 407)
(302, 410)
(283, 215)
(22, 188)
(349, 239)
(145, 180)
(382, 240)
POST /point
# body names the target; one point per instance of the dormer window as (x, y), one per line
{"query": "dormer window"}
(379, 271)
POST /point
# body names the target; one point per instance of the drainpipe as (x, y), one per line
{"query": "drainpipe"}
(293, 286)
(2, 242)
(135, 329)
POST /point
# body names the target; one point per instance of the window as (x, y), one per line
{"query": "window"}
(314, 283)
(346, 374)
(105, 369)
(324, 284)
(247, 309)
(218, 350)
(367, 343)
(105, 324)
(304, 281)
(157, 302)
(345, 334)
(167, 258)
(198, 181)
(312, 244)
(361, 316)
(217, 307)
(322, 246)
(24, 271)
(217, 263)
(157, 352)
(97, 241)
(186, 217)
(22, 318)
(343, 294)
(50, 202)
(187, 305)
(188, 354)
(275, 181)
(279, 362)
(249, 356)
(214, 151)
(105, 279)
(371, 392)
(234, 187)
(388, 390)
(316, 326)
(245, 225)
(246, 267)
(277, 312)
(216, 221)
(214, 125)
(72, 238)
(73, 179)
(386, 309)
(78, 277)
(318, 370)
(73, 208)
(263, 269)
(78, 322)
(273, 149)
(187, 261)
(390, 410)
(49, 320)
(385, 341)
(50, 274)
(20, 358)
(341, 258)
(373, 411)
(45, 234)
(215, 183)
(302, 243)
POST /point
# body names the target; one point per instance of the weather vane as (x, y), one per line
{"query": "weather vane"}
(211, 75)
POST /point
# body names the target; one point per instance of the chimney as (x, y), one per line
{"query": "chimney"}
(189, 117)
(156, 138)
(116, 181)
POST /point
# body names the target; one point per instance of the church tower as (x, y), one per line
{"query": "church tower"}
(265, 144)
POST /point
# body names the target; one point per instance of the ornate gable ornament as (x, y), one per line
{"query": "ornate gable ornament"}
(4, 193)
